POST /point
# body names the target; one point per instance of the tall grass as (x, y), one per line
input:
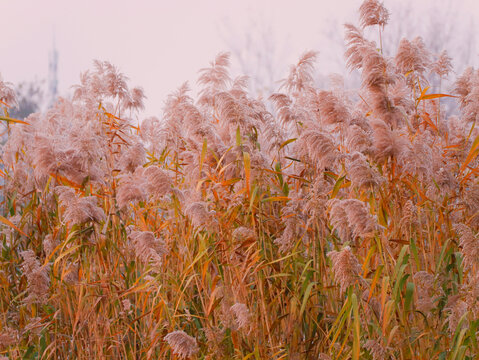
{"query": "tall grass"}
(340, 225)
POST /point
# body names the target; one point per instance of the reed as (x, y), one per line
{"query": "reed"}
(340, 225)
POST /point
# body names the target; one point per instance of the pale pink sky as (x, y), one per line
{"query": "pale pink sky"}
(159, 44)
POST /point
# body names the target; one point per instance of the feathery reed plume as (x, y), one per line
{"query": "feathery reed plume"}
(133, 157)
(409, 216)
(469, 97)
(463, 86)
(361, 174)
(127, 307)
(214, 79)
(372, 12)
(424, 289)
(242, 315)
(18, 139)
(470, 200)
(324, 356)
(172, 128)
(182, 344)
(318, 148)
(239, 89)
(44, 157)
(387, 142)
(134, 100)
(377, 350)
(200, 216)
(469, 245)
(412, 56)
(114, 80)
(71, 148)
(378, 72)
(339, 219)
(399, 96)
(150, 132)
(49, 244)
(158, 182)
(447, 182)
(332, 108)
(7, 94)
(131, 188)
(214, 339)
(37, 278)
(301, 75)
(419, 158)
(442, 66)
(243, 233)
(384, 107)
(8, 337)
(20, 181)
(470, 289)
(286, 112)
(229, 110)
(148, 248)
(358, 139)
(315, 204)
(346, 268)
(80, 152)
(457, 308)
(105, 82)
(294, 220)
(78, 209)
(360, 219)
(197, 127)
(356, 47)
(291, 233)
(351, 218)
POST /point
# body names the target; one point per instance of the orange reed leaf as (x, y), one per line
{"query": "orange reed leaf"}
(9, 223)
(9, 119)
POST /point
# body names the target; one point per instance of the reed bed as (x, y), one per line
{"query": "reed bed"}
(315, 224)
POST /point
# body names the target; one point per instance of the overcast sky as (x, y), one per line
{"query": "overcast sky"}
(160, 44)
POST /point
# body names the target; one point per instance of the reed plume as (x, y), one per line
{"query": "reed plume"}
(346, 268)
(78, 209)
(148, 248)
(183, 345)
(372, 12)
(38, 280)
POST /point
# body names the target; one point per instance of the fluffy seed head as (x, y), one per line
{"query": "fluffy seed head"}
(412, 56)
(318, 147)
(332, 108)
(182, 344)
(242, 315)
(442, 66)
(133, 157)
(7, 94)
(200, 216)
(37, 278)
(362, 175)
(78, 209)
(346, 268)
(148, 248)
(469, 244)
(301, 75)
(158, 182)
(372, 12)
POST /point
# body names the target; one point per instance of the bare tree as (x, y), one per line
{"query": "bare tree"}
(30, 97)
(257, 52)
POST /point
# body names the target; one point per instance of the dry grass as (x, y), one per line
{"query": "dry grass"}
(342, 225)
